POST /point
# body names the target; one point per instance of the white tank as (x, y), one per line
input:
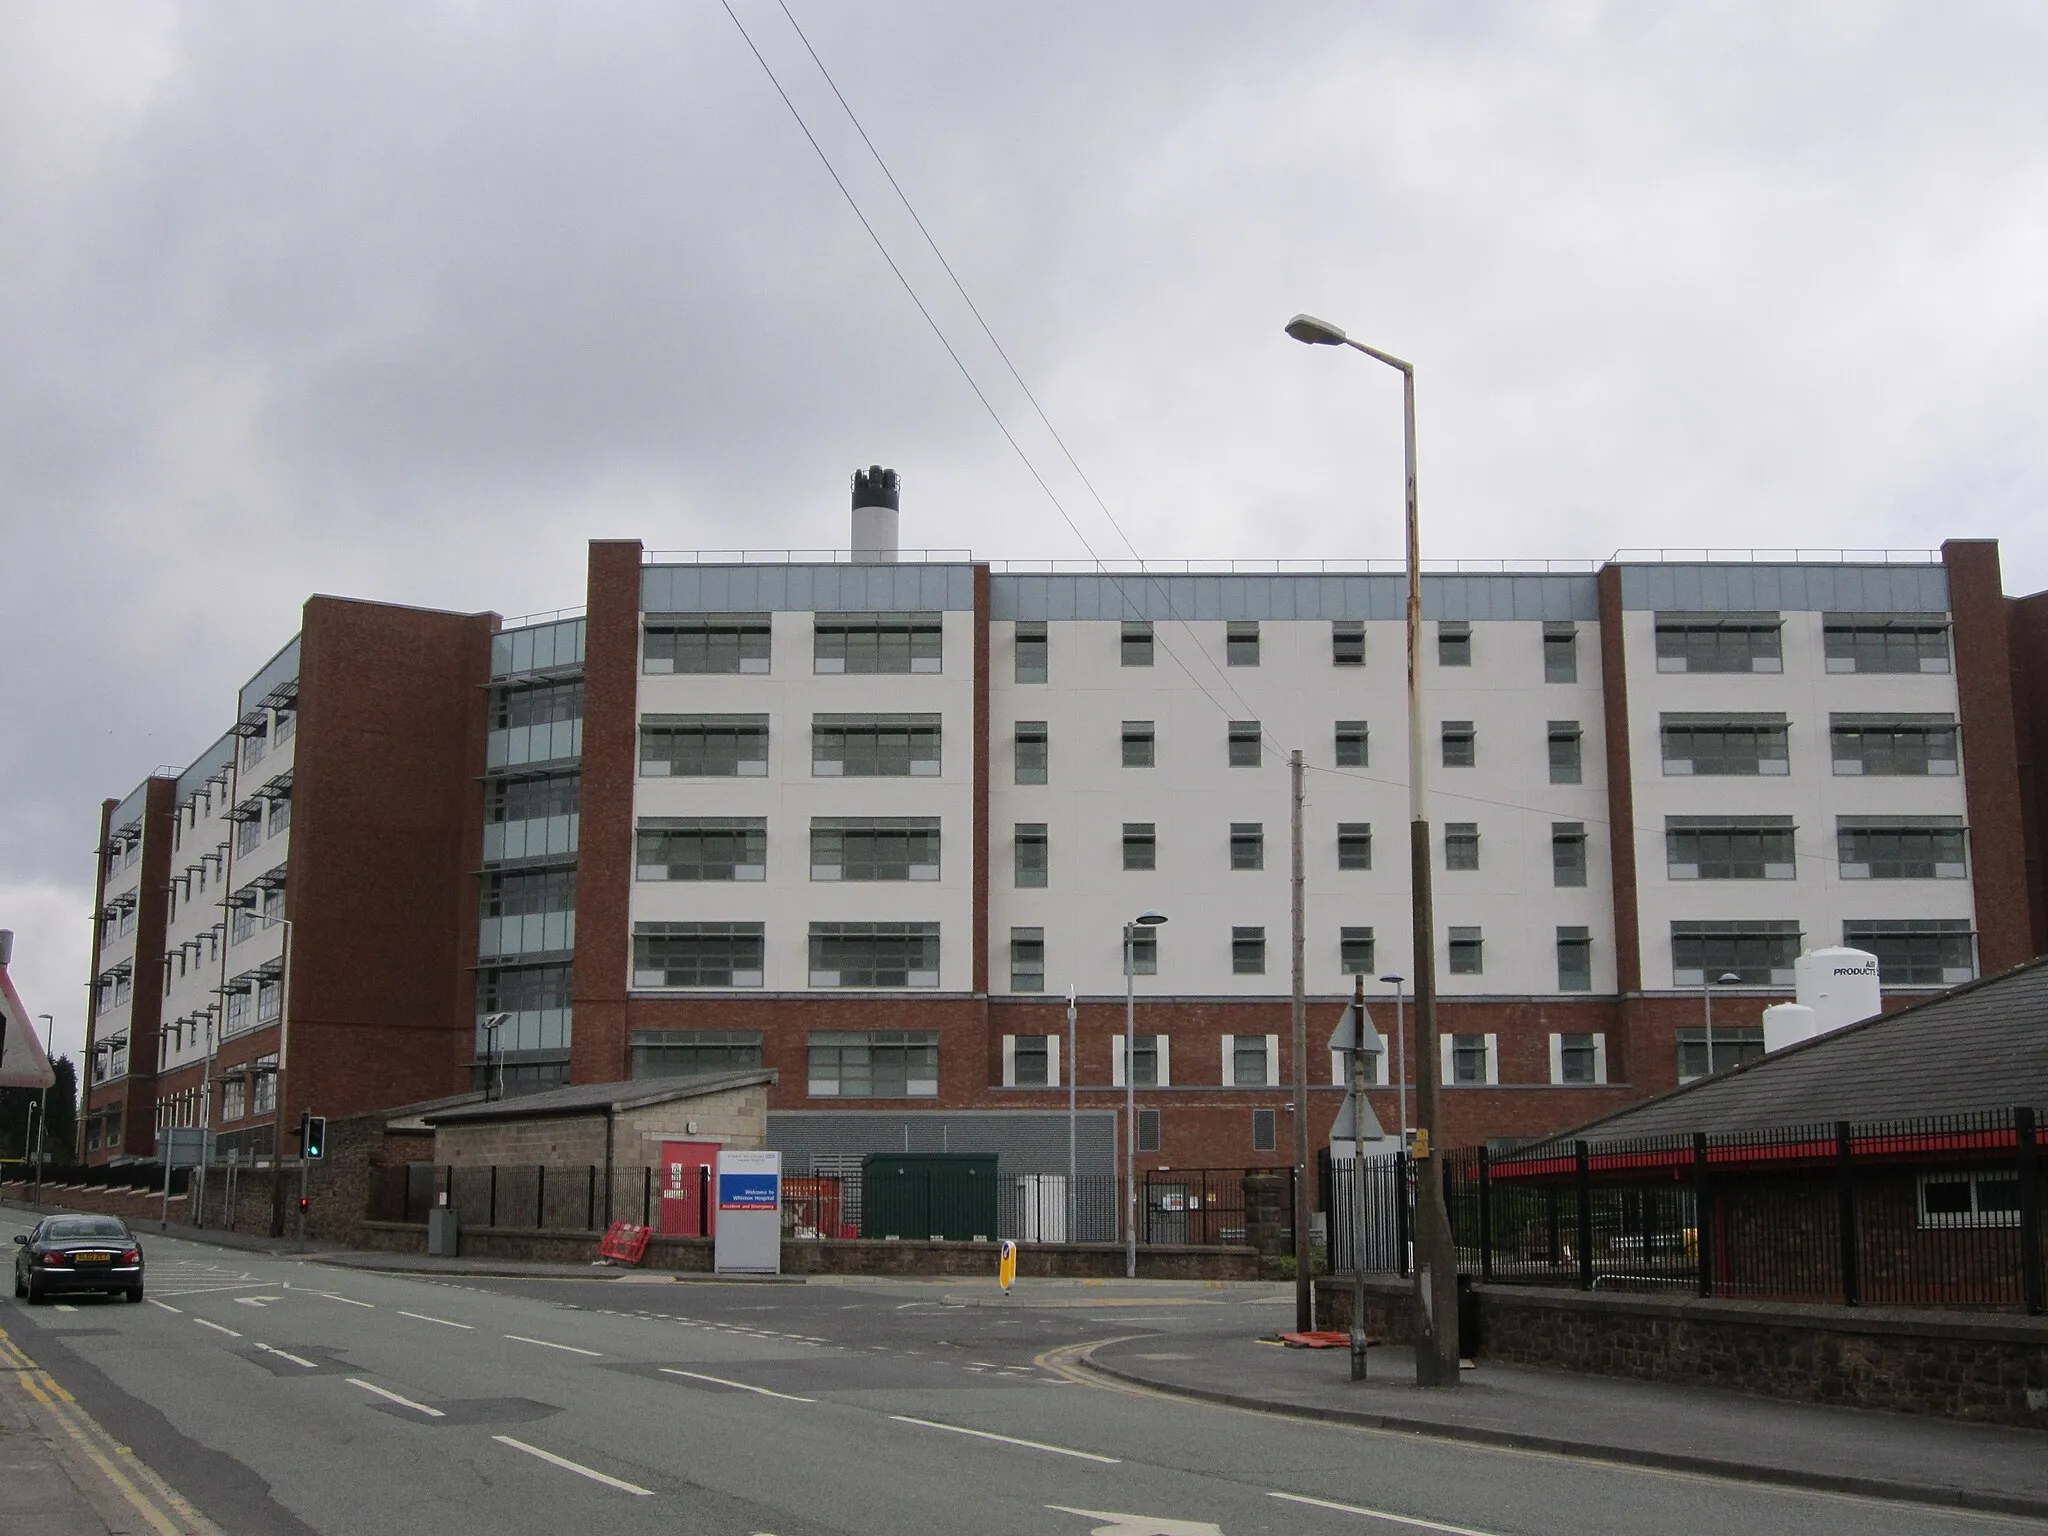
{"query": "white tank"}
(1839, 985)
(1787, 1024)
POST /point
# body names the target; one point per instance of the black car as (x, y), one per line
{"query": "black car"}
(78, 1253)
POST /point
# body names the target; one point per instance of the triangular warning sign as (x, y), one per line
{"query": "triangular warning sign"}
(23, 1061)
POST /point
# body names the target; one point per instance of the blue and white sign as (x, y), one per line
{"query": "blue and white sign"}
(749, 1231)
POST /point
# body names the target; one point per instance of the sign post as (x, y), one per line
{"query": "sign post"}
(1355, 1039)
(1006, 1265)
(748, 1236)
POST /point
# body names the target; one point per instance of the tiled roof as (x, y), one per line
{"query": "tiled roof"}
(597, 1098)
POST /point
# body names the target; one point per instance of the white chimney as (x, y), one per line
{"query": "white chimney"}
(874, 516)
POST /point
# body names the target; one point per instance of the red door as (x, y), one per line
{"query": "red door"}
(688, 1169)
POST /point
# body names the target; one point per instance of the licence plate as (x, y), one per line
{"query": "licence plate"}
(93, 1258)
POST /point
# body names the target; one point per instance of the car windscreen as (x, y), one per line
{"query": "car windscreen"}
(84, 1226)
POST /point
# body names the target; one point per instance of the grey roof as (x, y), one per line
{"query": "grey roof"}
(598, 1098)
(1982, 1046)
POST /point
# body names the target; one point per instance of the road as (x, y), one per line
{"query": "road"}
(278, 1395)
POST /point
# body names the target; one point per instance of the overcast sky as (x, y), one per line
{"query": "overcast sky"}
(407, 301)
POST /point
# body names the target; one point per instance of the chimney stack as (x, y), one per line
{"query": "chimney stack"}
(874, 516)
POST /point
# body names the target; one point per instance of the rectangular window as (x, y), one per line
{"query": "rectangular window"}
(1265, 1129)
(874, 847)
(1579, 1060)
(1574, 960)
(1138, 744)
(1470, 1060)
(255, 744)
(1354, 845)
(518, 892)
(1027, 960)
(1729, 847)
(234, 1097)
(1144, 955)
(1248, 951)
(1988, 1198)
(1567, 853)
(1146, 1057)
(1565, 767)
(269, 1001)
(1453, 643)
(705, 643)
(1148, 1130)
(697, 954)
(877, 642)
(1916, 952)
(280, 816)
(1461, 845)
(1352, 744)
(1137, 643)
(1249, 1061)
(1467, 952)
(702, 848)
(694, 1052)
(1885, 642)
(1893, 746)
(249, 828)
(1031, 651)
(1355, 951)
(1734, 744)
(1141, 845)
(534, 798)
(536, 704)
(287, 726)
(1734, 1044)
(874, 1064)
(1347, 643)
(1241, 643)
(704, 746)
(1719, 642)
(1758, 952)
(875, 746)
(1247, 845)
(1031, 1058)
(874, 954)
(1244, 743)
(1032, 855)
(1032, 752)
(1902, 847)
(1461, 744)
(1560, 651)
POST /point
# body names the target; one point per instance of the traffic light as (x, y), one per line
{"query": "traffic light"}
(305, 1204)
(316, 1136)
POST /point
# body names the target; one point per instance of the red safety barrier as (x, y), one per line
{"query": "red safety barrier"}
(625, 1242)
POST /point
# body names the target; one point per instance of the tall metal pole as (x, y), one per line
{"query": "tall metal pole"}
(1070, 1233)
(1130, 1101)
(1707, 1002)
(1358, 1335)
(1304, 1288)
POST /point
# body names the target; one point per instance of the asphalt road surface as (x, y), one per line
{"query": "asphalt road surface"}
(281, 1396)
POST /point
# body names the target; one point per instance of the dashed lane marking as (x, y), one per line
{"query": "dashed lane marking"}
(520, 1338)
(403, 1402)
(1030, 1445)
(216, 1327)
(1387, 1515)
(788, 1397)
(444, 1322)
(350, 1300)
(575, 1466)
(166, 1306)
(285, 1354)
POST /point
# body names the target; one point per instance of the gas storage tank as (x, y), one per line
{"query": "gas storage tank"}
(1839, 985)
(1787, 1024)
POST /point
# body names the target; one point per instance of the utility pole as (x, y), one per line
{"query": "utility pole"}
(1357, 1179)
(1070, 1233)
(1304, 1284)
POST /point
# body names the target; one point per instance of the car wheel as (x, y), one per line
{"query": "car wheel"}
(135, 1293)
(20, 1290)
(34, 1295)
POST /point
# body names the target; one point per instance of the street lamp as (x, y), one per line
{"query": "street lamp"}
(1400, 1057)
(1707, 986)
(1142, 920)
(493, 1057)
(1436, 1270)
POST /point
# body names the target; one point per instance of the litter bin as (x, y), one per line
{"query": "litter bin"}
(444, 1233)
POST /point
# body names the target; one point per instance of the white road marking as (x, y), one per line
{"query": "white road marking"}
(1379, 1514)
(1032, 1445)
(256, 1301)
(520, 1338)
(349, 1299)
(572, 1466)
(403, 1402)
(282, 1354)
(216, 1327)
(63, 1307)
(788, 1397)
(422, 1317)
(166, 1306)
(1140, 1525)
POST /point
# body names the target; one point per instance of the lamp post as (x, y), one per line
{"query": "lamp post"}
(1068, 1233)
(494, 1059)
(1400, 1056)
(1436, 1270)
(1142, 920)
(1707, 985)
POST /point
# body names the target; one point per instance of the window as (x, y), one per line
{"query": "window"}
(1244, 743)
(874, 954)
(1150, 1058)
(1733, 1045)
(1885, 642)
(287, 727)
(1351, 744)
(1565, 767)
(1461, 749)
(1453, 643)
(874, 1064)
(279, 819)
(1560, 651)
(529, 992)
(1027, 959)
(694, 1052)
(1138, 744)
(1916, 952)
(712, 642)
(532, 799)
(874, 847)
(876, 642)
(238, 1011)
(1738, 744)
(1241, 643)
(1893, 745)
(1578, 1059)
(1148, 1130)
(1757, 951)
(1467, 952)
(1574, 960)
(1144, 952)
(234, 1097)
(1354, 845)
(1247, 845)
(1251, 1061)
(1567, 853)
(254, 745)
(1031, 1062)
(1031, 855)
(1248, 951)
(1031, 752)
(875, 746)
(263, 1083)
(249, 828)
(1471, 1060)
(269, 1001)
(1990, 1198)
(1031, 648)
(1718, 642)
(1461, 845)
(1265, 1129)
(1901, 847)
(1347, 643)
(704, 746)
(1355, 951)
(1141, 845)
(1729, 847)
(702, 848)
(697, 954)
(536, 704)
(1137, 643)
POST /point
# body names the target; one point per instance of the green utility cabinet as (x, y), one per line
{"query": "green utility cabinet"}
(916, 1196)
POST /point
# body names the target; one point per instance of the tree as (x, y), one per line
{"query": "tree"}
(60, 1139)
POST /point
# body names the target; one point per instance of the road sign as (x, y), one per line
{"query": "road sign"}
(748, 1239)
(1006, 1265)
(1346, 1128)
(1345, 1037)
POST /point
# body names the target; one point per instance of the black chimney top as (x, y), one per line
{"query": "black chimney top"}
(875, 487)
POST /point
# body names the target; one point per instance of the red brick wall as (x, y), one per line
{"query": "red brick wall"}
(1621, 798)
(2027, 623)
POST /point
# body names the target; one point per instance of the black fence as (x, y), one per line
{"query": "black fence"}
(1936, 1212)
